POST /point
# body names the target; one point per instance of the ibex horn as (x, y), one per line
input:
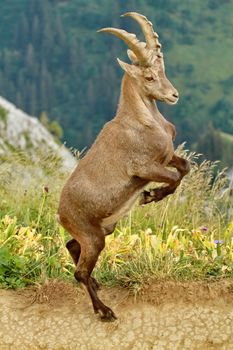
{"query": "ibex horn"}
(132, 42)
(147, 28)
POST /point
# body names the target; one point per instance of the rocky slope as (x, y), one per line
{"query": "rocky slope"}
(19, 131)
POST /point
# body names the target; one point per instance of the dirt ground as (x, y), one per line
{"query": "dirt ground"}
(164, 315)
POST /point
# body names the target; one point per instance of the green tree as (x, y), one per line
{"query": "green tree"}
(210, 143)
(54, 126)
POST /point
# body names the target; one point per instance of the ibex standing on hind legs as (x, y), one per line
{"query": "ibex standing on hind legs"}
(133, 149)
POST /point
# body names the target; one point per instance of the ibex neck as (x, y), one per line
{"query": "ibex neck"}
(133, 104)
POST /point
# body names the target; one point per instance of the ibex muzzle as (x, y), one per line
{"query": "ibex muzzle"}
(133, 149)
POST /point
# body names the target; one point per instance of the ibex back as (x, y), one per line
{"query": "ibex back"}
(133, 149)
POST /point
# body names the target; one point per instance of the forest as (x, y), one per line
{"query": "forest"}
(54, 64)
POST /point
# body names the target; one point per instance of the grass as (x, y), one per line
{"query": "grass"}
(188, 236)
(3, 117)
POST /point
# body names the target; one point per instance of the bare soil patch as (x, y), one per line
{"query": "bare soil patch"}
(164, 315)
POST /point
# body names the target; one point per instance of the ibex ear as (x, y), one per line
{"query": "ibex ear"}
(128, 68)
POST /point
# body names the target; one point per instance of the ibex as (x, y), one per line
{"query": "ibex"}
(133, 149)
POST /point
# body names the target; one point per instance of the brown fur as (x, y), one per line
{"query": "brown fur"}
(133, 149)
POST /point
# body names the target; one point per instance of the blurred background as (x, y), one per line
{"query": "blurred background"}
(53, 65)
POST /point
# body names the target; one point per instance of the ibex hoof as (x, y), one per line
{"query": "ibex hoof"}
(109, 317)
(145, 198)
(106, 315)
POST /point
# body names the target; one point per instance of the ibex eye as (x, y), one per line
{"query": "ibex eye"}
(149, 78)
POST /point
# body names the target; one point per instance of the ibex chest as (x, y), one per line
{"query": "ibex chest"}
(158, 143)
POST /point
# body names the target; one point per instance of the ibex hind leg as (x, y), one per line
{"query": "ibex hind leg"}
(91, 245)
(74, 249)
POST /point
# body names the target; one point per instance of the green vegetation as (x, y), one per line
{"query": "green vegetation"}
(53, 127)
(3, 116)
(52, 60)
(186, 236)
(28, 140)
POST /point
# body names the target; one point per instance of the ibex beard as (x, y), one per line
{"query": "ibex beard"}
(132, 150)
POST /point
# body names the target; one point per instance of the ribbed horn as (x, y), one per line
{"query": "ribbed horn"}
(147, 28)
(131, 40)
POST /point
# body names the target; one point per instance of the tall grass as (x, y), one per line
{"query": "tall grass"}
(188, 235)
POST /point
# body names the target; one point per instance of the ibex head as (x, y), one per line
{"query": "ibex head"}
(147, 68)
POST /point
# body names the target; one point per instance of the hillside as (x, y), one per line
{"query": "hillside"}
(52, 59)
(20, 132)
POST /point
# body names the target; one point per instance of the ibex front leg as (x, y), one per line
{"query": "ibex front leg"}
(157, 194)
(181, 164)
